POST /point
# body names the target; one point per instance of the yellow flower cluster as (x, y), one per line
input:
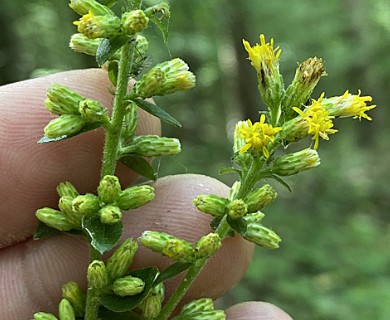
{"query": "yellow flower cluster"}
(319, 121)
(263, 55)
(256, 135)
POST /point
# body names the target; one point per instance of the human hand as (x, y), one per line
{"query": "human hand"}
(32, 272)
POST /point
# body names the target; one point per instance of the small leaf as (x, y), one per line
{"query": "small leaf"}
(238, 225)
(113, 72)
(281, 181)
(108, 47)
(103, 236)
(163, 28)
(120, 304)
(157, 111)
(229, 170)
(86, 128)
(105, 314)
(172, 271)
(44, 231)
(139, 165)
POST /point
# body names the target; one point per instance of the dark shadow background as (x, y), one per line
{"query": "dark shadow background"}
(334, 262)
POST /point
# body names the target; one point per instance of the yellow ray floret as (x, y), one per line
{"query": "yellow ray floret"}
(256, 135)
(319, 121)
(263, 54)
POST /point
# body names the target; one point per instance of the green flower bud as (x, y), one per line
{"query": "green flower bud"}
(82, 7)
(85, 205)
(142, 45)
(262, 236)
(65, 205)
(165, 78)
(65, 310)
(306, 78)
(196, 306)
(92, 111)
(44, 316)
(237, 209)
(109, 189)
(130, 122)
(254, 217)
(150, 307)
(261, 197)
(296, 162)
(67, 189)
(207, 245)
(134, 197)
(81, 43)
(167, 245)
(153, 146)
(211, 204)
(97, 275)
(134, 21)
(75, 295)
(295, 130)
(110, 214)
(204, 315)
(61, 100)
(99, 26)
(54, 218)
(120, 261)
(128, 286)
(65, 125)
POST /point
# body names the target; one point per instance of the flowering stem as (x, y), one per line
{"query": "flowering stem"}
(113, 133)
(250, 179)
(222, 230)
(92, 305)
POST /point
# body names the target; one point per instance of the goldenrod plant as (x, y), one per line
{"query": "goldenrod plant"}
(260, 154)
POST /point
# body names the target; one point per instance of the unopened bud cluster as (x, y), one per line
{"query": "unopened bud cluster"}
(75, 112)
(108, 204)
(202, 309)
(152, 146)
(151, 306)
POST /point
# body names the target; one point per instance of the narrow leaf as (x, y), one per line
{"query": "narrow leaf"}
(108, 47)
(44, 231)
(139, 165)
(163, 28)
(157, 111)
(103, 236)
(113, 72)
(229, 170)
(238, 225)
(120, 304)
(171, 271)
(281, 181)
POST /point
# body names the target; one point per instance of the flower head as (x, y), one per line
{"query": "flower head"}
(349, 105)
(256, 135)
(96, 26)
(319, 121)
(263, 56)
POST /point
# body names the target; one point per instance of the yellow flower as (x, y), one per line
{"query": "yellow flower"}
(256, 135)
(263, 55)
(96, 26)
(319, 121)
(349, 105)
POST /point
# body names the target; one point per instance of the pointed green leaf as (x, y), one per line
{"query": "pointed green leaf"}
(163, 28)
(229, 170)
(108, 47)
(281, 181)
(139, 165)
(43, 231)
(113, 72)
(156, 111)
(103, 236)
(172, 271)
(86, 128)
(238, 225)
(121, 304)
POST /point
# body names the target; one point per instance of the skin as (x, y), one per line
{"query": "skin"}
(32, 272)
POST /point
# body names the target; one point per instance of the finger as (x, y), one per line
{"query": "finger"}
(54, 261)
(256, 310)
(30, 171)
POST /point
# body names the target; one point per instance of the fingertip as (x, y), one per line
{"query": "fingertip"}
(256, 310)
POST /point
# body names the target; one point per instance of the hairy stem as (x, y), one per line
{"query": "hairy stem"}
(92, 305)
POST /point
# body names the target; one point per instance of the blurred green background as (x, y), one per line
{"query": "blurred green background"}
(334, 262)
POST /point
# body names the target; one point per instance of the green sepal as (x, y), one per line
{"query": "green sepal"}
(106, 314)
(44, 231)
(108, 47)
(281, 181)
(120, 304)
(86, 128)
(156, 111)
(113, 67)
(238, 225)
(171, 271)
(103, 236)
(139, 165)
(163, 28)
